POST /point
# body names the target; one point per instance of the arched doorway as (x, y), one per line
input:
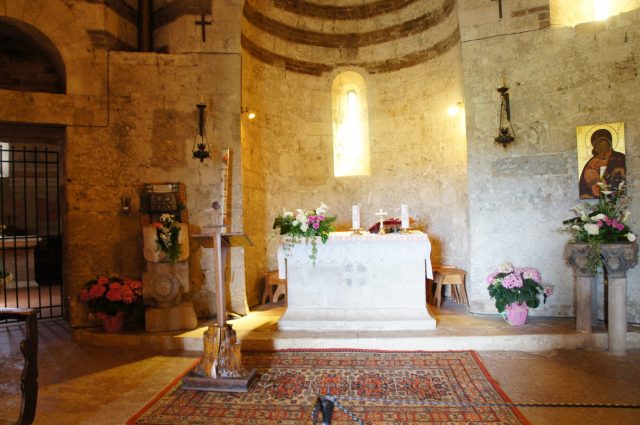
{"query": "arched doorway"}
(30, 182)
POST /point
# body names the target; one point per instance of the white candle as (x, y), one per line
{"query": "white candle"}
(404, 216)
(355, 217)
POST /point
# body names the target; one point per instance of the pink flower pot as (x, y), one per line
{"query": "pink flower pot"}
(113, 324)
(516, 314)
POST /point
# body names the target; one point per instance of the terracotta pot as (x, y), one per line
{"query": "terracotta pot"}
(113, 324)
(516, 314)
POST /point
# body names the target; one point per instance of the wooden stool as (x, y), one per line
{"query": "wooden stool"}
(272, 279)
(449, 275)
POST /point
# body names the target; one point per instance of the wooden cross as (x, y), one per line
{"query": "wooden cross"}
(203, 23)
(500, 8)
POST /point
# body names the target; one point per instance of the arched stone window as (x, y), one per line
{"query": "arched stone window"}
(574, 12)
(350, 125)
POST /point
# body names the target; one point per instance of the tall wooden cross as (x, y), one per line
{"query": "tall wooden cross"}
(203, 22)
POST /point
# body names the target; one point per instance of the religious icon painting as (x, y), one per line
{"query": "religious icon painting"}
(601, 153)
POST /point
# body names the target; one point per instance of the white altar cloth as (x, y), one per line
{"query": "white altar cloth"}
(366, 282)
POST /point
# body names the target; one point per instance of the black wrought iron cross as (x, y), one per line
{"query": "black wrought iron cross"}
(204, 24)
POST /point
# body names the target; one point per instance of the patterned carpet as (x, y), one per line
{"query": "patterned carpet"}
(397, 386)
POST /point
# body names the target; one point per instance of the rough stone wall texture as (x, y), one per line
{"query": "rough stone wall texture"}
(418, 152)
(152, 122)
(254, 171)
(131, 119)
(176, 31)
(111, 24)
(559, 78)
(389, 40)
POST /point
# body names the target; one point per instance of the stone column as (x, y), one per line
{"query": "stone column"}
(576, 256)
(618, 258)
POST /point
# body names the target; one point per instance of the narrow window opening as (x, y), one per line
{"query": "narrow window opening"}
(350, 124)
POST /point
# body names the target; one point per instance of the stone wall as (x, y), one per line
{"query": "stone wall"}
(130, 119)
(559, 78)
(152, 122)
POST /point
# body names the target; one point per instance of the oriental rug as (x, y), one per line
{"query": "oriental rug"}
(376, 387)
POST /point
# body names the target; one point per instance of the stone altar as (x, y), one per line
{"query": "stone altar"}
(358, 282)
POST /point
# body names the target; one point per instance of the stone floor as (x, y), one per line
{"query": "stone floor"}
(106, 380)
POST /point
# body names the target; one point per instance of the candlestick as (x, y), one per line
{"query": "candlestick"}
(404, 216)
(355, 216)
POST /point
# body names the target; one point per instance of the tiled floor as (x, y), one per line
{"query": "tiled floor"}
(84, 383)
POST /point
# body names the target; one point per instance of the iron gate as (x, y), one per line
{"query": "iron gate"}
(31, 241)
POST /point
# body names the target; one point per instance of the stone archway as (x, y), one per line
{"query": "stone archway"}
(54, 25)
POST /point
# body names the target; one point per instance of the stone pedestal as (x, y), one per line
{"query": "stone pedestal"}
(151, 251)
(182, 316)
(164, 283)
(618, 258)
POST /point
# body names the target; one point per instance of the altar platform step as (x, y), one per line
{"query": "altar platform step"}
(456, 330)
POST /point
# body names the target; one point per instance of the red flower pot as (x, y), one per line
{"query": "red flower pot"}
(113, 324)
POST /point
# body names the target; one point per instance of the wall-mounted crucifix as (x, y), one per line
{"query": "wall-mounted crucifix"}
(203, 22)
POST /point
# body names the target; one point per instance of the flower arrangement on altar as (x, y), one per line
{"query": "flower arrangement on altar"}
(305, 225)
(108, 295)
(602, 222)
(168, 232)
(509, 285)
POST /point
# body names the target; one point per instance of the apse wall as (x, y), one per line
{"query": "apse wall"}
(408, 54)
(559, 78)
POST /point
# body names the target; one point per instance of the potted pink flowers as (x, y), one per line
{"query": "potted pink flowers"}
(111, 298)
(515, 290)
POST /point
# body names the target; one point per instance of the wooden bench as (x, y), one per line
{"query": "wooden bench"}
(29, 379)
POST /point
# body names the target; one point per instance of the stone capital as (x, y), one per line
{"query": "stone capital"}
(576, 255)
(619, 257)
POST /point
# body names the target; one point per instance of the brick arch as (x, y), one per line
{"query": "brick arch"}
(53, 21)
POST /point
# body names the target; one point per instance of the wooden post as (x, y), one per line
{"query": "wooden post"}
(220, 367)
